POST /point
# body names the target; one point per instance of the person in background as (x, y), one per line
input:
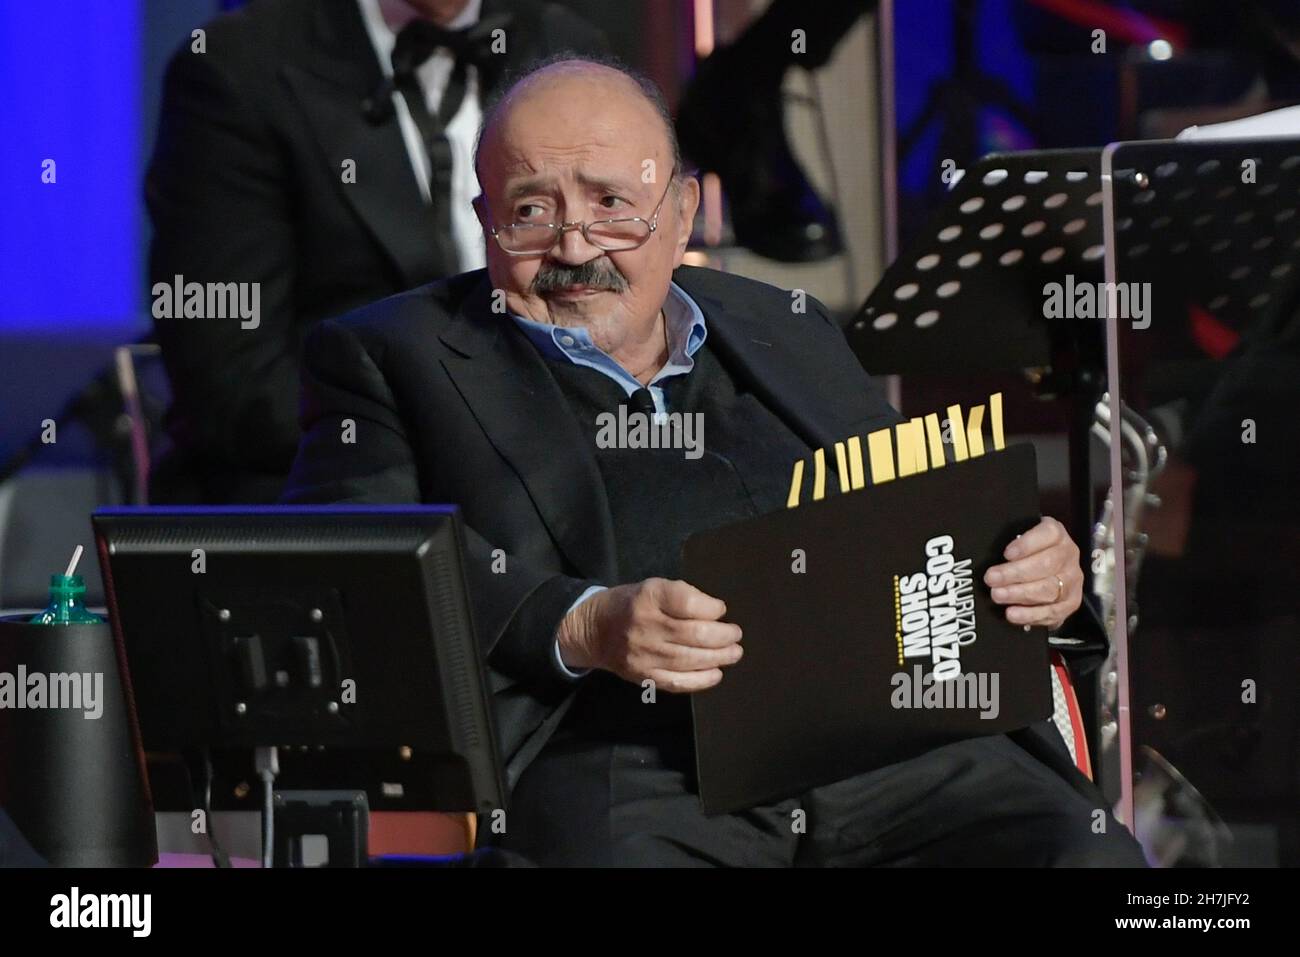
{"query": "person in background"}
(731, 121)
(322, 150)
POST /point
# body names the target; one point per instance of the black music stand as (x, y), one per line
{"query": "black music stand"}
(1213, 227)
(1186, 220)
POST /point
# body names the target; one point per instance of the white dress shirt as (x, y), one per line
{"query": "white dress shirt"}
(461, 131)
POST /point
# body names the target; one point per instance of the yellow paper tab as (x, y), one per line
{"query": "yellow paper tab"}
(856, 479)
(995, 421)
(974, 438)
(881, 453)
(934, 435)
(920, 446)
(918, 433)
(842, 466)
(958, 435)
(911, 447)
(796, 485)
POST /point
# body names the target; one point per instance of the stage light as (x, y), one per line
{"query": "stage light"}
(1160, 50)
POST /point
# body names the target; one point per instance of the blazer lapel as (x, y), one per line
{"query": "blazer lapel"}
(331, 87)
(794, 382)
(525, 416)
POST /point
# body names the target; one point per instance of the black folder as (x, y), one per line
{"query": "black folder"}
(828, 597)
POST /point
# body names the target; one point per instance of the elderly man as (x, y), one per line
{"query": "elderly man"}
(486, 389)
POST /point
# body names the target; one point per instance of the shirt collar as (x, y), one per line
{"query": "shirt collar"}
(687, 331)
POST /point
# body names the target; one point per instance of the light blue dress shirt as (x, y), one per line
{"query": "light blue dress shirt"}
(686, 330)
(686, 333)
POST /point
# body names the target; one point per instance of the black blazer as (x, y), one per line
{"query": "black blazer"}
(246, 185)
(452, 404)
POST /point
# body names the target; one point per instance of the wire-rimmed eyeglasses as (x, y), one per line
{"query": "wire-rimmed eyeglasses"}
(611, 235)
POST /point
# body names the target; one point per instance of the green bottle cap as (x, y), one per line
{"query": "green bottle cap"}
(67, 603)
(67, 586)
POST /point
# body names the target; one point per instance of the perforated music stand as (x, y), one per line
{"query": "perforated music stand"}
(1182, 216)
(1186, 221)
(967, 295)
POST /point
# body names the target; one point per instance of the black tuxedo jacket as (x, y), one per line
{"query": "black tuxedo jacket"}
(452, 404)
(246, 185)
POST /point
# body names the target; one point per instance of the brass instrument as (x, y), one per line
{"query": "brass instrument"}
(1143, 457)
(1174, 823)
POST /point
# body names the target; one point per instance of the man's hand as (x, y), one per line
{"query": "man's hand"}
(1041, 581)
(668, 631)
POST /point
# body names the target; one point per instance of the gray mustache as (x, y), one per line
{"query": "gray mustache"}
(596, 273)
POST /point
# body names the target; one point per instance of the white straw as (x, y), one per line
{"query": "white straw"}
(72, 565)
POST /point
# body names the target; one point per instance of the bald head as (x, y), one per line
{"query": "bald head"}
(579, 90)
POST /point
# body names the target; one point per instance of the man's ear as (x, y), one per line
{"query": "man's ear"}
(480, 210)
(688, 203)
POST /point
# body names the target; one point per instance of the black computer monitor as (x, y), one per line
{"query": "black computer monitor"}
(339, 634)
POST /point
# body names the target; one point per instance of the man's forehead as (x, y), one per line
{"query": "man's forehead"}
(581, 166)
(512, 171)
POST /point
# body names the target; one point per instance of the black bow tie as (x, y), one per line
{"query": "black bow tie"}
(473, 45)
